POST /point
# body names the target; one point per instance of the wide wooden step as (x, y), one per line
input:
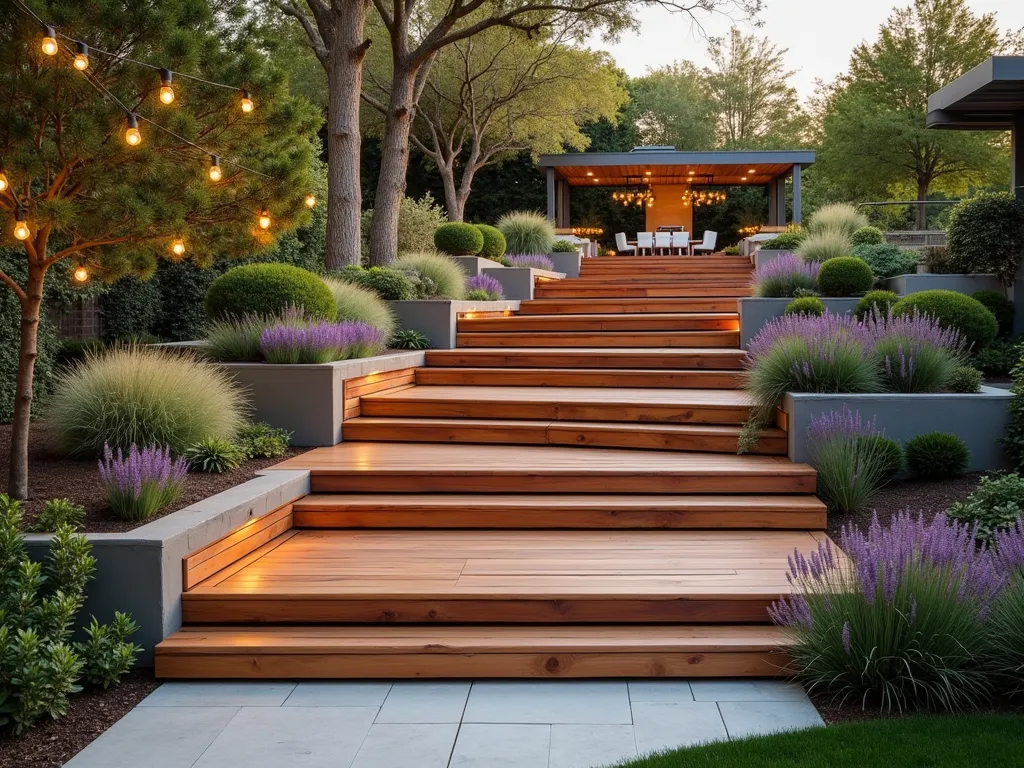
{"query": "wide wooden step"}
(695, 277)
(710, 438)
(598, 339)
(694, 406)
(708, 358)
(568, 290)
(360, 467)
(625, 306)
(469, 511)
(578, 377)
(503, 651)
(504, 577)
(707, 321)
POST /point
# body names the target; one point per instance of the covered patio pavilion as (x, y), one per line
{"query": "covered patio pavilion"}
(671, 175)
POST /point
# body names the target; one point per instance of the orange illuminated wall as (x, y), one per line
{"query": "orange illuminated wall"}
(668, 208)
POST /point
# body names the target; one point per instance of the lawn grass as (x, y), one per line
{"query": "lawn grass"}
(990, 741)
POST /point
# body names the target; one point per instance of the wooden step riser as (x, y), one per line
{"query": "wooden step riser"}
(623, 306)
(735, 277)
(207, 609)
(482, 433)
(636, 323)
(552, 291)
(608, 339)
(527, 377)
(255, 664)
(568, 358)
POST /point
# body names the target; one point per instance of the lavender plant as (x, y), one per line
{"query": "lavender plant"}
(484, 288)
(532, 260)
(141, 482)
(321, 343)
(1006, 650)
(783, 276)
(852, 464)
(914, 353)
(900, 622)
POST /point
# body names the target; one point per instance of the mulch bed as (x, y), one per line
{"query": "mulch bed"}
(834, 713)
(52, 475)
(51, 743)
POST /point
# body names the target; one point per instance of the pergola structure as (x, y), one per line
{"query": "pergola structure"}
(671, 176)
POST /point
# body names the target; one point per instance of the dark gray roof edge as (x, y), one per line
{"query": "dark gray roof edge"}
(802, 157)
(940, 119)
(995, 69)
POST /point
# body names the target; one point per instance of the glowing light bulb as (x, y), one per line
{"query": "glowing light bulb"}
(81, 61)
(21, 230)
(49, 44)
(132, 136)
(246, 102)
(264, 221)
(310, 200)
(215, 172)
(166, 91)
(4, 184)
(81, 274)
(178, 247)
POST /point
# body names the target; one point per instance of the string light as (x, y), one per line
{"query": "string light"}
(81, 274)
(166, 91)
(247, 105)
(215, 172)
(703, 197)
(264, 220)
(132, 136)
(310, 200)
(178, 247)
(21, 230)
(4, 183)
(49, 44)
(81, 57)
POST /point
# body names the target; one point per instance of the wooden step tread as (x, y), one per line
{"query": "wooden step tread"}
(624, 305)
(665, 290)
(677, 321)
(579, 377)
(708, 358)
(635, 339)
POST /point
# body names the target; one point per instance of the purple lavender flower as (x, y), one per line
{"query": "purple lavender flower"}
(321, 343)
(532, 260)
(823, 333)
(841, 424)
(783, 275)
(491, 285)
(846, 636)
(142, 482)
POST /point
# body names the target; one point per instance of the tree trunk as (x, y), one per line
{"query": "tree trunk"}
(18, 479)
(345, 83)
(394, 163)
(451, 195)
(922, 210)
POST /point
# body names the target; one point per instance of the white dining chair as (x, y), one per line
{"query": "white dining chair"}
(621, 244)
(645, 240)
(680, 242)
(707, 243)
(662, 241)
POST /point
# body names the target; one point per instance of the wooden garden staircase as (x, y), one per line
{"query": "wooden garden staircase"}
(560, 496)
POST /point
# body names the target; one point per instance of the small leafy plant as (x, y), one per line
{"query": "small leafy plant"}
(214, 455)
(58, 512)
(937, 456)
(409, 339)
(563, 246)
(484, 288)
(806, 305)
(875, 304)
(142, 482)
(965, 380)
(994, 505)
(259, 440)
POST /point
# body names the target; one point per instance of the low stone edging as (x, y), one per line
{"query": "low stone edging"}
(968, 284)
(473, 265)
(755, 313)
(517, 282)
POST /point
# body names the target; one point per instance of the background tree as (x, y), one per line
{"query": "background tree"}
(116, 209)
(673, 107)
(874, 138)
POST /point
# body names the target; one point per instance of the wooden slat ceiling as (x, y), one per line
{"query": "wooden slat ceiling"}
(620, 175)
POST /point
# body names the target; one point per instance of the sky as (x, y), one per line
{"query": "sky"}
(820, 34)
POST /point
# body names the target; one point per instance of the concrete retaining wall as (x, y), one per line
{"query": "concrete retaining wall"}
(472, 265)
(517, 282)
(904, 284)
(140, 571)
(756, 313)
(435, 318)
(566, 263)
(762, 256)
(979, 419)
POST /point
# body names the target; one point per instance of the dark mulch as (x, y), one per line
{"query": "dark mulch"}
(51, 743)
(52, 475)
(918, 496)
(834, 713)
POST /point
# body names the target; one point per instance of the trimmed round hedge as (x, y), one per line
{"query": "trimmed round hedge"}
(953, 310)
(883, 300)
(868, 236)
(457, 238)
(845, 276)
(268, 289)
(494, 242)
(806, 305)
(563, 246)
(937, 456)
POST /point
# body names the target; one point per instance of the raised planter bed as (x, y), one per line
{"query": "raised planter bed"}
(755, 313)
(517, 282)
(763, 256)
(566, 263)
(979, 419)
(472, 265)
(904, 284)
(435, 318)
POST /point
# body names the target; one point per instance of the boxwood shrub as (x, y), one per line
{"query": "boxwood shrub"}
(937, 456)
(806, 305)
(494, 242)
(845, 276)
(868, 236)
(887, 260)
(268, 289)
(953, 310)
(784, 241)
(457, 238)
(563, 246)
(878, 301)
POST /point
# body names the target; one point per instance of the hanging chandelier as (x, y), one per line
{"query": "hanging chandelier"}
(638, 197)
(701, 197)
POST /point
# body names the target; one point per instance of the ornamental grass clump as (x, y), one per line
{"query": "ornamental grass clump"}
(439, 277)
(321, 343)
(839, 217)
(527, 232)
(852, 464)
(140, 483)
(237, 339)
(914, 353)
(783, 276)
(484, 288)
(1006, 622)
(900, 623)
(823, 245)
(532, 261)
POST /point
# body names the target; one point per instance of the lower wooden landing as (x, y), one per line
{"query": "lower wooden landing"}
(476, 652)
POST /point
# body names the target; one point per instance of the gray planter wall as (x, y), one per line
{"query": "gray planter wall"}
(140, 571)
(307, 400)
(472, 265)
(517, 282)
(566, 263)
(979, 419)
(762, 256)
(436, 317)
(904, 284)
(756, 313)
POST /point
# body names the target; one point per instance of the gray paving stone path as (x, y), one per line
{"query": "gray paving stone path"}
(443, 724)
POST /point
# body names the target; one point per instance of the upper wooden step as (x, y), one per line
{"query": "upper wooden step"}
(706, 321)
(615, 339)
(580, 377)
(567, 289)
(708, 358)
(625, 306)
(471, 652)
(441, 468)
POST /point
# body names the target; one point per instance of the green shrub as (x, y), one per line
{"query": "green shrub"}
(994, 505)
(39, 665)
(965, 379)
(130, 308)
(937, 456)
(845, 276)
(999, 305)
(851, 461)
(909, 363)
(1000, 357)
(214, 455)
(1006, 637)
(889, 453)
(824, 245)
(143, 396)
(784, 241)
(268, 289)
(867, 236)
(986, 234)
(417, 220)
(808, 305)
(527, 232)
(837, 217)
(878, 303)
(259, 440)
(183, 287)
(478, 294)
(887, 260)
(237, 339)
(563, 246)
(357, 303)
(950, 309)
(494, 242)
(937, 259)
(58, 512)
(389, 284)
(1013, 441)
(409, 339)
(457, 238)
(443, 273)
